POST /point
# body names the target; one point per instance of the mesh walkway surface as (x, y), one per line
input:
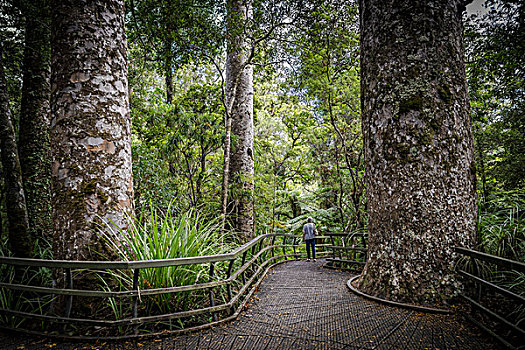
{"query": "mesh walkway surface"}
(300, 305)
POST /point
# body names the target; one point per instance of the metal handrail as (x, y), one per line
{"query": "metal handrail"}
(479, 283)
(231, 288)
(138, 264)
(349, 250)
(507, 263)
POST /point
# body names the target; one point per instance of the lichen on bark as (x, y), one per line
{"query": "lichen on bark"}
(18, 225)
(418, 148)
(90, 126)
(33, 143)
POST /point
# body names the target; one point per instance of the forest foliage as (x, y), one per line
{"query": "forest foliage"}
(308, 143)
(307, 129)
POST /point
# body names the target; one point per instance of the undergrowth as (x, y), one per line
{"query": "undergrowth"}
(155, 234)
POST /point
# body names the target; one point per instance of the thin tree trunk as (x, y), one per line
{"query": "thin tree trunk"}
(33, 144)
(18, 224)
(169, 77)
(239, 95)
(90, 128)
(295, 206)
(420, 170)
(202, 172)
(168, 42)
(226, 171)
(273, 196)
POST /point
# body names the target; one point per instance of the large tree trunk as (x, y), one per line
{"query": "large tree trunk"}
(15, 199)
(33, 144)
(90, 127)
(239, 100)
(420, 169)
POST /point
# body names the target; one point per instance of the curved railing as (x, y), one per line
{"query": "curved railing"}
(493, 291)
(349, 251)
(117, 312)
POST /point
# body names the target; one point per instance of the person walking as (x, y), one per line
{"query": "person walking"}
(309, 232)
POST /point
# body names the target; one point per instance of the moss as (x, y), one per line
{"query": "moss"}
(414, 103)
(403, 151)
(102, 196)
(76, 206)
(445, 95)
(89, 187)
(434, 124)
(427, 137)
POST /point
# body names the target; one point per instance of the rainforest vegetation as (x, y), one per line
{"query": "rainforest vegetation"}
(245, 117)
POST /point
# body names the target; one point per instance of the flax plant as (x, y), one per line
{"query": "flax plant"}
(502, 233)
(24, 301)
(155, 235)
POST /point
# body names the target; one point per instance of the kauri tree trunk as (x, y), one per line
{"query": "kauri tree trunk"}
(90, 126)
(420, 171)
(18, 224)
(33, 143)
(239, 102)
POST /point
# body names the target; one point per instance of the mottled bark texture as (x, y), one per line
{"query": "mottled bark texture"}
(18, 224)
(420, 170)
(239, 102)
(90, 126)
(33, 143)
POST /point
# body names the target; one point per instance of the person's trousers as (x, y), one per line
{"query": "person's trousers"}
(310, 243)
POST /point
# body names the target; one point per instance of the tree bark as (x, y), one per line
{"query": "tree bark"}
(226, 171)
(33, 143)
(239, 98)
(481, 170)
(90, 127)
(168, 73)
(420, 170)
(18, 224)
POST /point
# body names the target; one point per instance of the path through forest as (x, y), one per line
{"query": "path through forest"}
(301, 305)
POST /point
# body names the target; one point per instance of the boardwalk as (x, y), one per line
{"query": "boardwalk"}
(300, 305)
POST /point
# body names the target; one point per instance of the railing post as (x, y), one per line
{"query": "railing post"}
(212, 295)
(333, 245)
(134, 305)
(135, 298)
(53, 296)
(333, 251)
(350, 253)
(294, 244)
(284, 248)
(229, 285)
(475, 269)
(242, 264)
(69, 300)
(253, 253)
(261, 256)
(273, 243)
(340, 252)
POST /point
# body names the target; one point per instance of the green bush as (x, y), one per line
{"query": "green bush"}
(501, 228)
(155, 235)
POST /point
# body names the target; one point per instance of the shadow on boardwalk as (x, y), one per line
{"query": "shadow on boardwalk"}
(300, 305)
